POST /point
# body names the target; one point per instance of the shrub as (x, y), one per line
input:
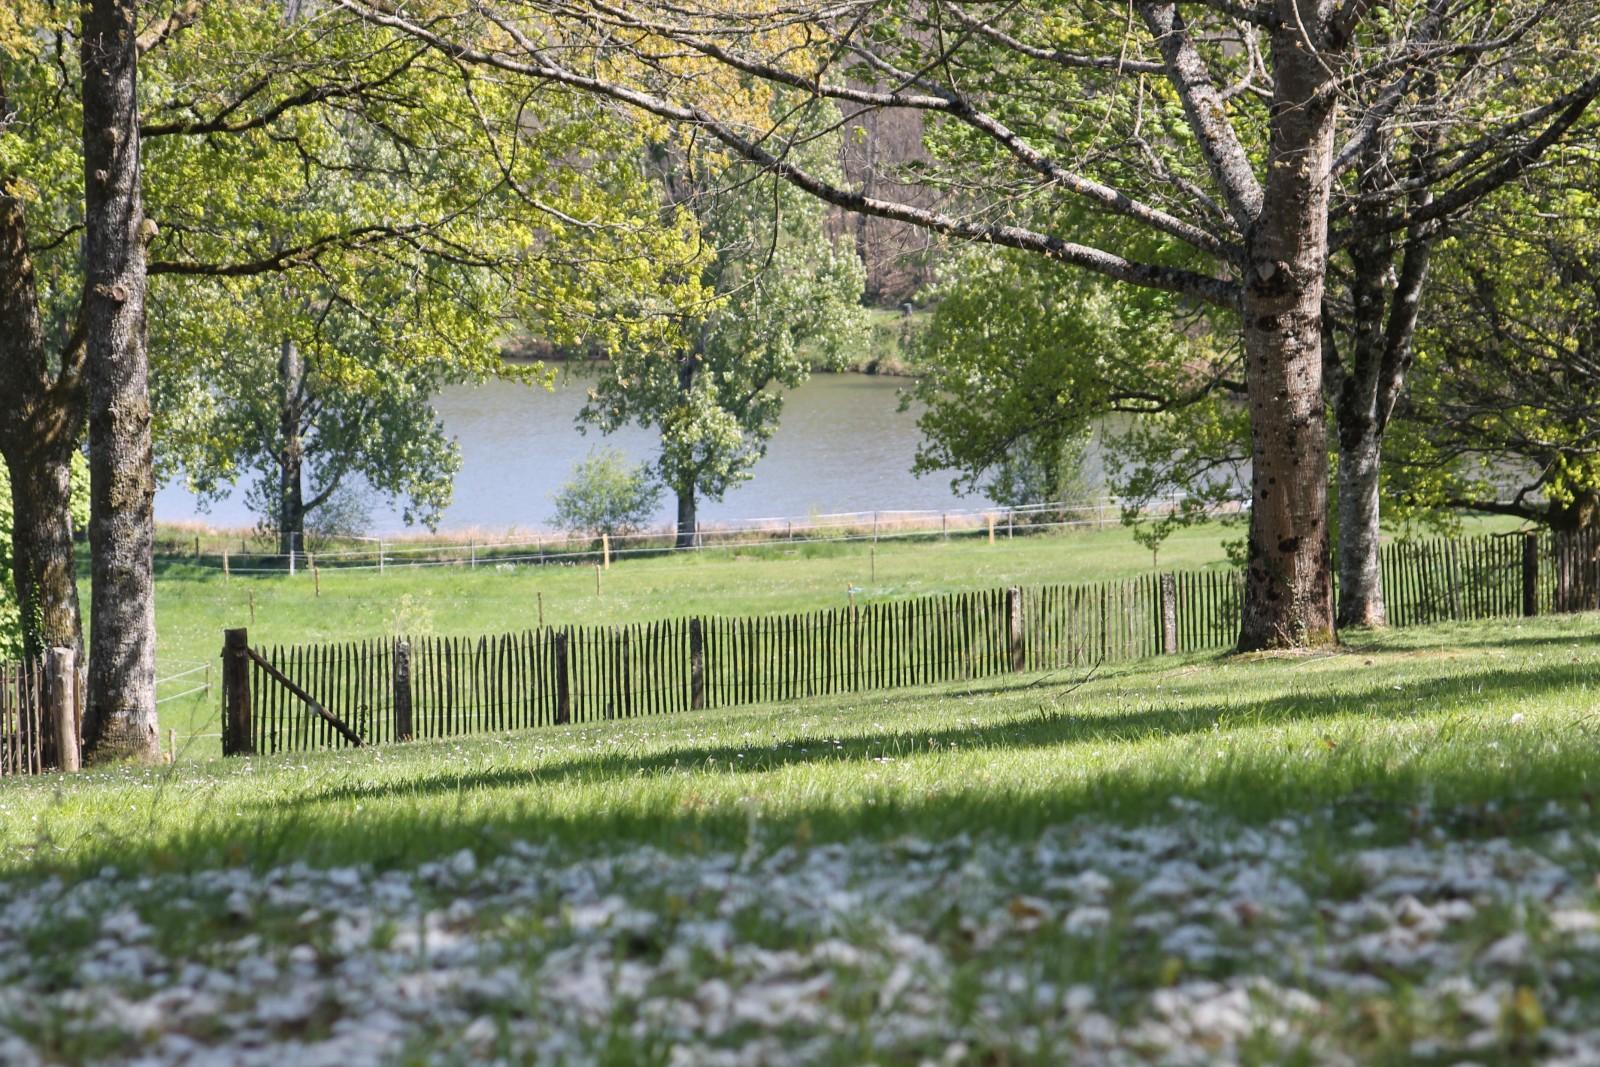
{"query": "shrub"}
(606, 495)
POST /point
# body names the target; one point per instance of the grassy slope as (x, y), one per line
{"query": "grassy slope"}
(1288, 798)
(1427, 712)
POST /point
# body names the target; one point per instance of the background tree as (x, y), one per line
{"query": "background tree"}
(1021, 358)
(776, 298)
(607, 495)
(1218, 125)
(1508, 418)
(317, 420)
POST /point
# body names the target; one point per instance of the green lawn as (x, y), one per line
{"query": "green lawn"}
(194, 605)
(1383, 855)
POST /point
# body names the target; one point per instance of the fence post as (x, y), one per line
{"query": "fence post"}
(236, 735)
(605, 550)
(697, 664)
(558, 646)
(1019, 650)
(1169, 614)
(61, 665)
(1530, 574)
(855, 646)
(402, 691)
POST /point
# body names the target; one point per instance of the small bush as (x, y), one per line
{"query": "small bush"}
(606, 495)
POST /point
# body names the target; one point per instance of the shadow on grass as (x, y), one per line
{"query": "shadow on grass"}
(1162, 743)
(1039, 720)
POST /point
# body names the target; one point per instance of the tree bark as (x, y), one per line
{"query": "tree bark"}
(1359, 422)
(1361, 597)
(40, 421)
(43, 563)
(120, 717)
(1384, 305)
(291, 456)
(1288, 598)
(688, 366)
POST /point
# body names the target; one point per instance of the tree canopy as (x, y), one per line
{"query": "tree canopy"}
(1220, 127)
(1507, 419)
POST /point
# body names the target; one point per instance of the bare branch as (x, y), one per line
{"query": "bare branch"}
(985, 28)
(1207, 114)
(1516, 162)
(1202, 287)
(165, 29)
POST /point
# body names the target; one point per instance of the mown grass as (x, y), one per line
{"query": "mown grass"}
(1456, 716)
(194, 605)
(587, 839)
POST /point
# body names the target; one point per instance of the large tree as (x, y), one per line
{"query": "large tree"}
(1219, 124)
(119, 718)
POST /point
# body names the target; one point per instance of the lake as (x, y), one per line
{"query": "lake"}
(843, 445)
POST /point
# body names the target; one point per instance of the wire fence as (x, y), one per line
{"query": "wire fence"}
(261, 555)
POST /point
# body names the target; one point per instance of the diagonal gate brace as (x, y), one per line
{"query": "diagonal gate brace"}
(327, 716)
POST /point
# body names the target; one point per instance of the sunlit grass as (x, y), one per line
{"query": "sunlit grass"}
(1375, 855)
(1456, 715)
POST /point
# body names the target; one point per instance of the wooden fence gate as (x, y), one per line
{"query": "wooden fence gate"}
(41, 714)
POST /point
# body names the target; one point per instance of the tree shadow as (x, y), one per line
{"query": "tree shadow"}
(1041, 723)
(351, 821)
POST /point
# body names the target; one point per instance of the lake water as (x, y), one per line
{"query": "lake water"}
(843, 445)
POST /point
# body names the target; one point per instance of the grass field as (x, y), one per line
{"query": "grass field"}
(195, 605)
(1382, 855)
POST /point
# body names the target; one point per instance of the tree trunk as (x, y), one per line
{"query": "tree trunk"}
(1361, 600)
(1288, 598)
(1359, 424)
(291, 456)
(688, 366)
(120, 717)
(1384, 306)
(43, 563)
(40, 420)
(687, 527)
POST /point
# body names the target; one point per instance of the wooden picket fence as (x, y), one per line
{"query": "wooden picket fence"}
(40, 715)
(385, 691)
(291, 698)
(1490, 577)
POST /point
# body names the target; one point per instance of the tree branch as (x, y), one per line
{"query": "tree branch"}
(1205, 288)
(1207, 113)
(165, 29)
(1516, 163)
